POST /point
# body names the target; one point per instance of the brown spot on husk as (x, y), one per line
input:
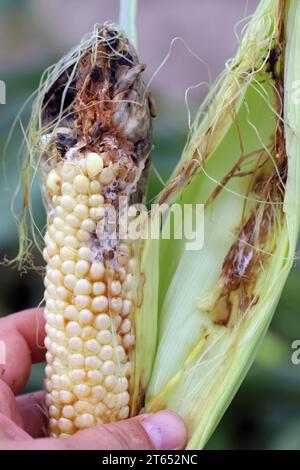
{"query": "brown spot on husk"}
(250, 252)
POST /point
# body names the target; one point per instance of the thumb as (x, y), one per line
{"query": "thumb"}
(163, 430)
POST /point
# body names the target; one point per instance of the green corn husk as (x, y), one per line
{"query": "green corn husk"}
(242, 163)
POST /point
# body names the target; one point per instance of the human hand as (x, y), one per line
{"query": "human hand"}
(23, 418)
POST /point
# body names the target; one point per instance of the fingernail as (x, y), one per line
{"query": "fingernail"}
(165, 430)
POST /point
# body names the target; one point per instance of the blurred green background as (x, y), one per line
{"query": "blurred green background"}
(265, 413)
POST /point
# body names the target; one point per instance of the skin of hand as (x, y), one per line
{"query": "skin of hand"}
(23, 420)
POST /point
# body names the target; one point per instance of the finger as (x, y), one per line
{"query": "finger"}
(163, 430)
(23, 336)
(31, 408)
(11, 433)
(8, 404)
(30, 325)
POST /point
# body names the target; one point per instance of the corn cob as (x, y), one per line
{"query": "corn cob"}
(96, 153)
(207, 310)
